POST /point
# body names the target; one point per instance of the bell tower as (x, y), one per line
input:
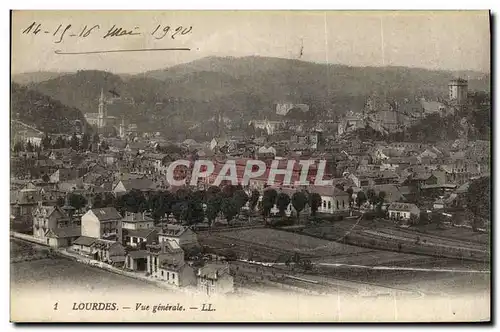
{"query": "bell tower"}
(102, 111)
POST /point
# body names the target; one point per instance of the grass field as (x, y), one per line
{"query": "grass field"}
(292, 242)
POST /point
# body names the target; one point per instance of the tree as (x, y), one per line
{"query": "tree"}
(108, 199)
(371, 196)
(75, 142)
(213, 209)
(268, 201)
(229, 209)
(18, 146)
(46, 143)
(160, 204)
(314, 202)
(97, 201)
(282, 202)
(241, 198)
(212, 191)
(254, 199)
(350, 191)
(381, 197)
(95, 138)
(414, 219)
(85, 144)
(77, 201)
(59, 143)
(179, 210)
(194, 213)
(478, 198)
(360, 198)
(133, 201)
(299, 201)
(29, 147)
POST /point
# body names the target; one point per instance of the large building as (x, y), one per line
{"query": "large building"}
(101, 118)
(457, 90)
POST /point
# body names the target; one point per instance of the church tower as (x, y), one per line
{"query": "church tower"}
(102, 111)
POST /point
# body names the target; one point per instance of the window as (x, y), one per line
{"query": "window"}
(324, 204)
(134, 240)
(162, 273)
(168, 275)
(337, 205)
(329, 205)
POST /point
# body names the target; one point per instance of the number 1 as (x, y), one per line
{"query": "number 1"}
(55, 306)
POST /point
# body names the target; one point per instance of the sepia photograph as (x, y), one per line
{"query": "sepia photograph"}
(250, 166)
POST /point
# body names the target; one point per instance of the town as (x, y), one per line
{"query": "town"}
(101, 196)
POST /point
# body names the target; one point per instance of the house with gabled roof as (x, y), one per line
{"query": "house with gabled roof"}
(403, 211)
(182, 235)
(333, 200)
(102, 223)
(124, 186)
(48, 217)
(63, 236)
(167, 250)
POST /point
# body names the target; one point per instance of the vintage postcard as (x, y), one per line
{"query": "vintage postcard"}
(250, 166)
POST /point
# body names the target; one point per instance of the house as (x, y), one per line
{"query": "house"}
(103, 223)
(23, 202)
(177, 274)
(184, 236)
(136, 260)
(333, 200)
(125, 186)
(47, 218)
(83, 245)
(166, 262)
(163, 251)
(64, 236)
(403, 211)
(107, 251)
(136, 221)
(214, 279)
(419, 179)
(366, 179)
(136, 237)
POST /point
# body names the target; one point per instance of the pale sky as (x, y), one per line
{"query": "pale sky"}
(456, 40)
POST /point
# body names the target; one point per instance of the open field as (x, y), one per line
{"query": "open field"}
(275, 245)
(459, 233)
(386, 236)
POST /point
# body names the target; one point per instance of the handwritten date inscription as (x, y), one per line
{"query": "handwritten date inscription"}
(62, 32)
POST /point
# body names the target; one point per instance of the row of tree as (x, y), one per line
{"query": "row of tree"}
(74, 142)
(194, 206)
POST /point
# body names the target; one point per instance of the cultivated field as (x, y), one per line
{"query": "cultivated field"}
(291, 242)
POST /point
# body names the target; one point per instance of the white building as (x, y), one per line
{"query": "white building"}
(457, 90)
(403, 211)
(333, 200)
(104, 223)
(183, 236)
